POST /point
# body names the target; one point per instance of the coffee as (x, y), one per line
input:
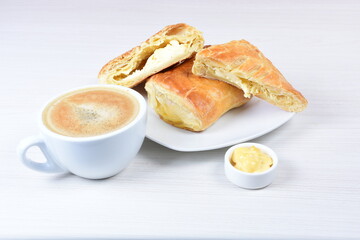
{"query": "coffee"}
(90, 112)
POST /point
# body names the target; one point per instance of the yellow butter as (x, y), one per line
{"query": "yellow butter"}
(251, 160)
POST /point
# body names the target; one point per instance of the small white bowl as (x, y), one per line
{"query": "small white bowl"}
(250, 180)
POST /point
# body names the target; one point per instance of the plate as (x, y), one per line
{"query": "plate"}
(252, 120)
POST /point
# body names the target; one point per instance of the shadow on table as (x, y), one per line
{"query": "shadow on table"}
(162, 155)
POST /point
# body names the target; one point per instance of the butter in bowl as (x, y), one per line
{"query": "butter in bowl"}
(250, 165)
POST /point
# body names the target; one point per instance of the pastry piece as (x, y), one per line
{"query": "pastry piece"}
(243, 65)
(188, 101)
(171, 45)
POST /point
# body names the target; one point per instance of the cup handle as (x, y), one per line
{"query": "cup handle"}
(49, 166)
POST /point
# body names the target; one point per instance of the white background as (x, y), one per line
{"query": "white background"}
(47, 47)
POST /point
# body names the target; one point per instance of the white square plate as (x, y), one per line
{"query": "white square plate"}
(252, 120)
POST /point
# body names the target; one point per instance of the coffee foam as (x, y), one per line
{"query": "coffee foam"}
(90, 112)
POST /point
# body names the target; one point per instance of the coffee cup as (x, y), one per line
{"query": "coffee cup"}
(93, 132)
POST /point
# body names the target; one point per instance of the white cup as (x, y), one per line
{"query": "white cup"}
(94, 157)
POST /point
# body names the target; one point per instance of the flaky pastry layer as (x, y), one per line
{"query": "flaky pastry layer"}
(171, 45)
(244, 66)
(187, 101)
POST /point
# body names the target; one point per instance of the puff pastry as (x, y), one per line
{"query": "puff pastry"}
(187, 101)
(243, 65)
(172, 44)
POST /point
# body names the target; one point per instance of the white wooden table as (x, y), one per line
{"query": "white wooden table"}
(50, 46)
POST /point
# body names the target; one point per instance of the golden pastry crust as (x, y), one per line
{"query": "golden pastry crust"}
(243, 65)
(172, 44)
(187, 101)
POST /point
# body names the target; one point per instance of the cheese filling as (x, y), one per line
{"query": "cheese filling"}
(252, 88)
(161, 58)
(171, 110)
